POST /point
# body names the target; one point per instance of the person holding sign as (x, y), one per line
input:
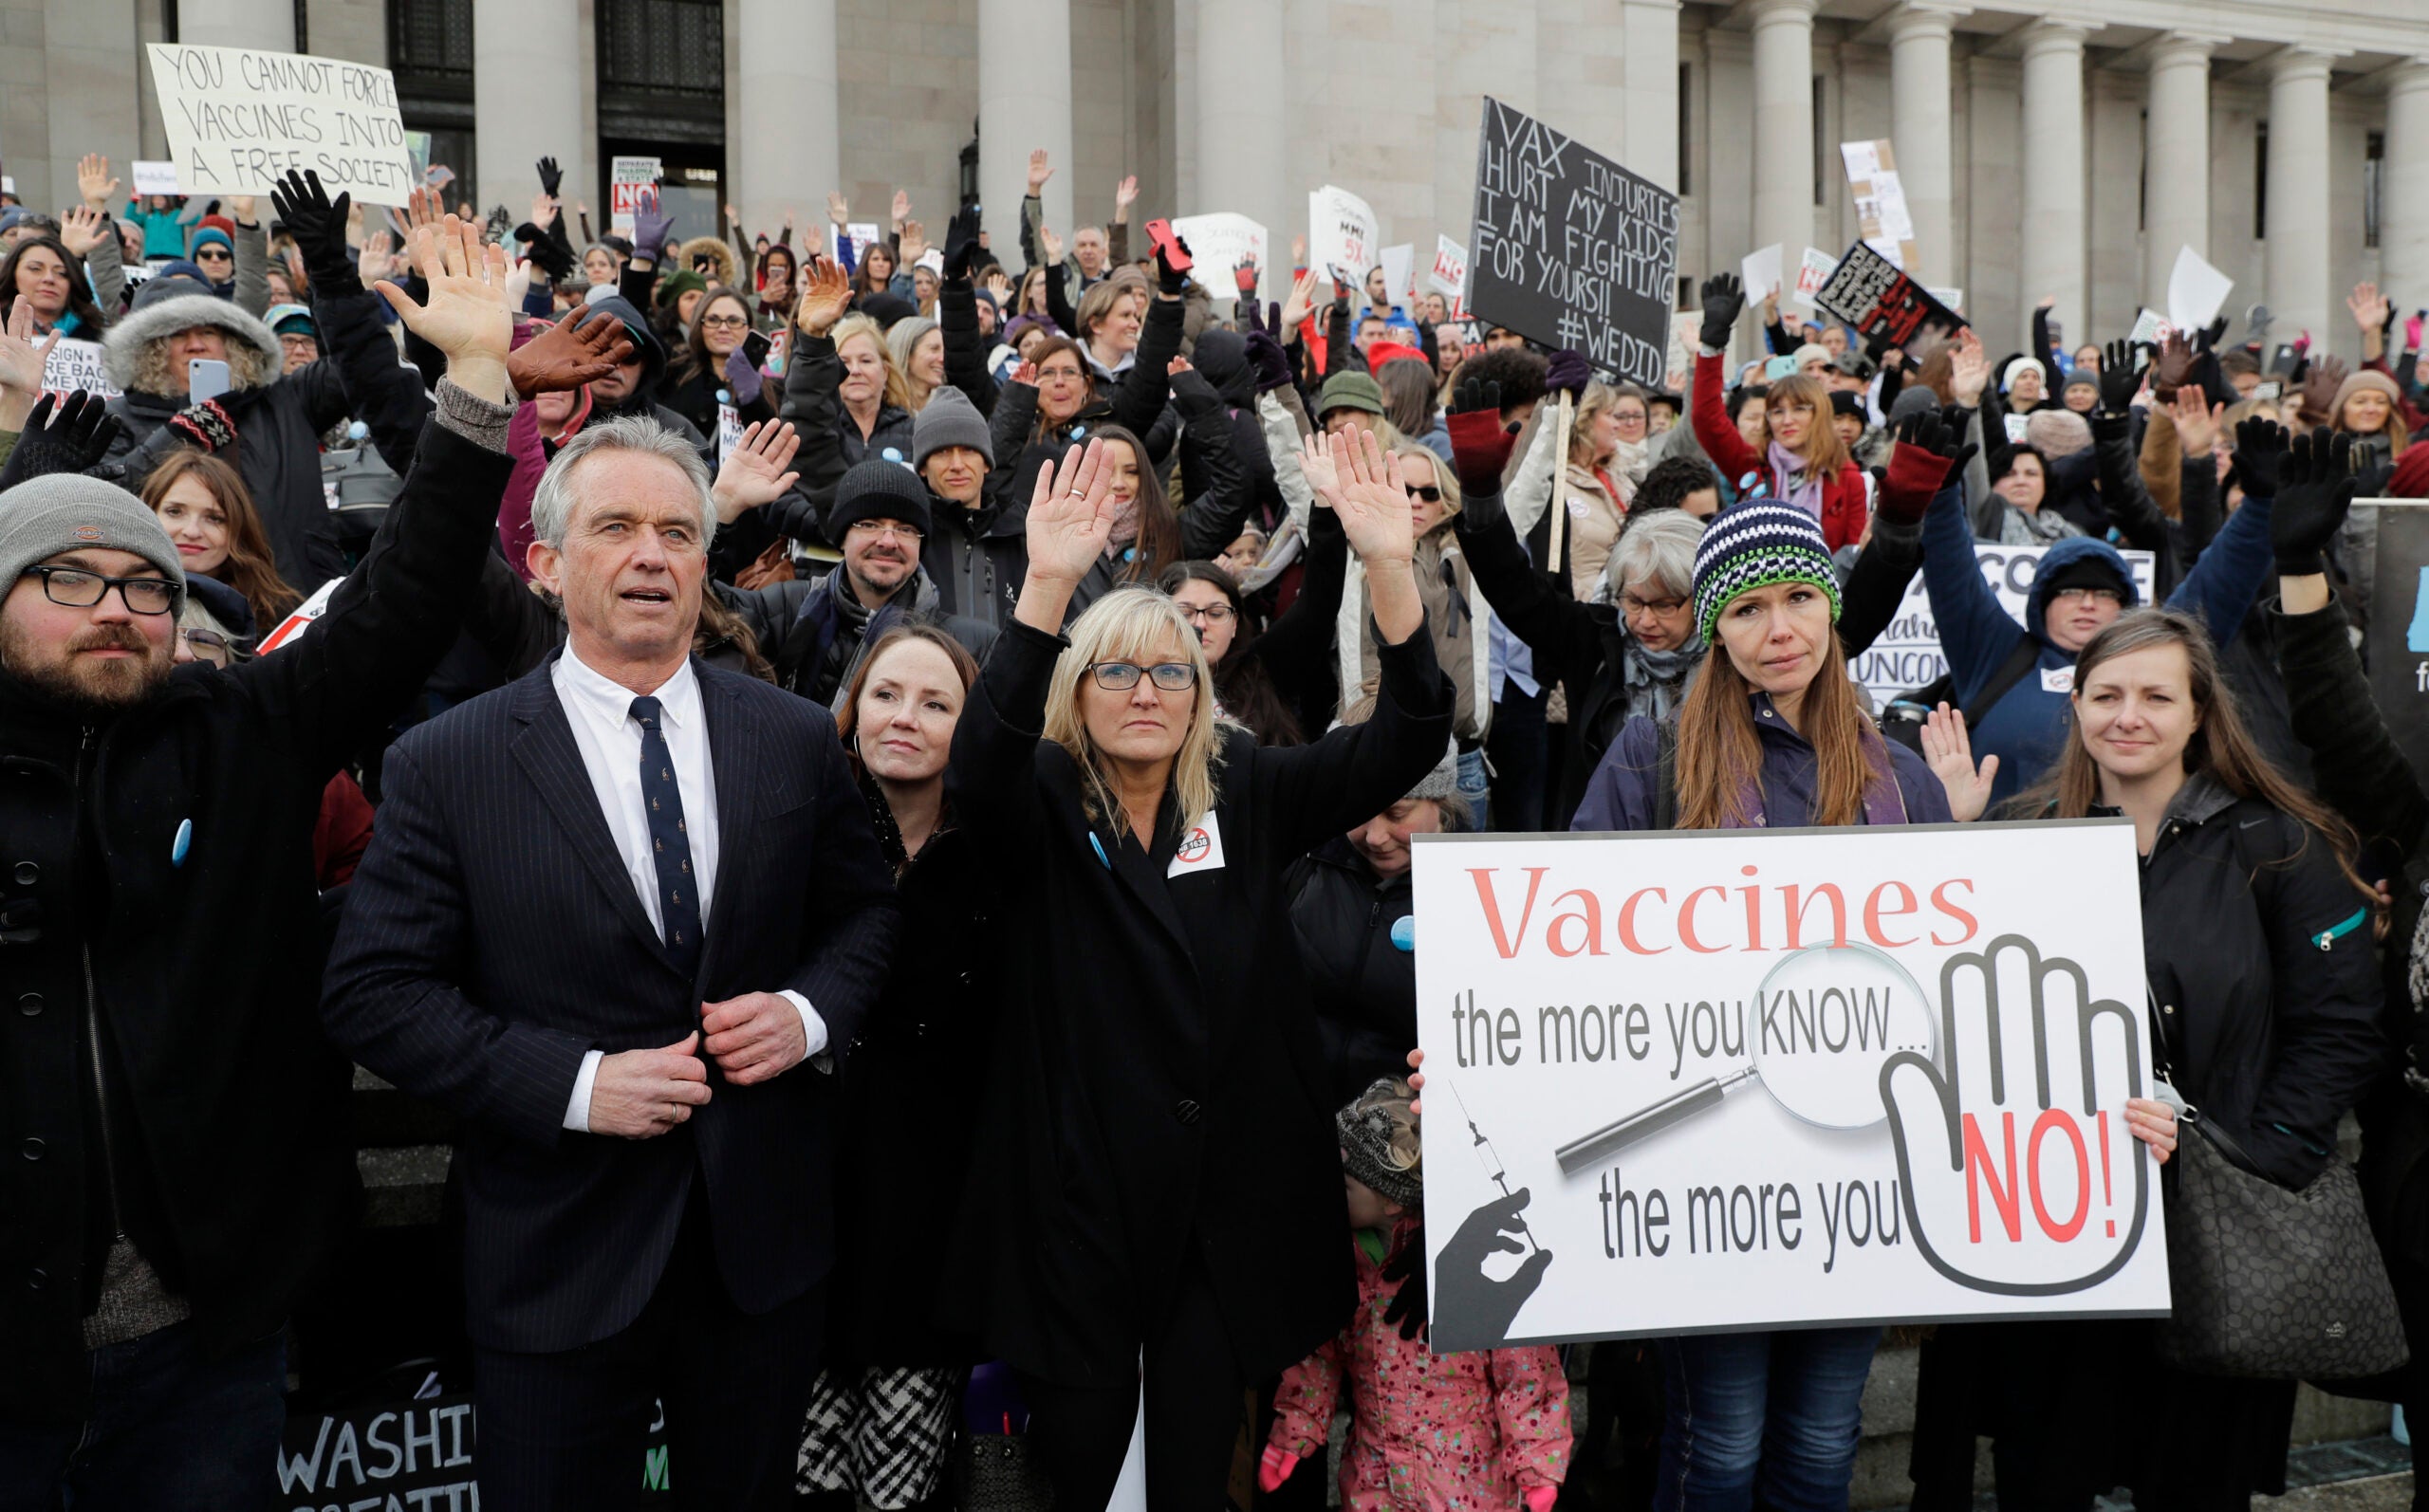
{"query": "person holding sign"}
(1804, 462)
(1768, 735)
(1157, 1165)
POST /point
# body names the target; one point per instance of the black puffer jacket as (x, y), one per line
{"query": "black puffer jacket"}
(830, 439)
(1361, 980)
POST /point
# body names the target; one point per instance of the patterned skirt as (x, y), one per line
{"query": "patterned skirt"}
(880, 1432)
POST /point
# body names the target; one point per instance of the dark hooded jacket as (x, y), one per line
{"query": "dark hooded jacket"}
(643, 400)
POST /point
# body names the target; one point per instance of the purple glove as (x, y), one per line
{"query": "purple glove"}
(742, 377)
(1267, 360)
(651, 224)
(1571, 371)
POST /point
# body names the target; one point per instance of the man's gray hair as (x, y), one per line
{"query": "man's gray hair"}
(553, 502)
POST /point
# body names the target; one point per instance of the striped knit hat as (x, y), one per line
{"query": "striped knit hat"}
(1756, 544)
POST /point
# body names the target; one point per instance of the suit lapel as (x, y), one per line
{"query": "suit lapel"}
(743, 773)
(1142, 873)
(554, 763)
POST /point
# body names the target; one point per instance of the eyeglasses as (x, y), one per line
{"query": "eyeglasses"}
(75, 588)
(1122, 676)
(1429, 493)
(1213, 614)
(1066, 374)
(1629, 417)
(1635, 605)
(725, 322)
(2088, 595)
(872, 529)
(210, 644)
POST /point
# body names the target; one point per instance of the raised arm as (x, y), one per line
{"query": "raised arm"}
(1215, 482)
(2223, 584)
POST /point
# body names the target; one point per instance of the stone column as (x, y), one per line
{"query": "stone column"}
(2052, 251)
(2176, 174)
(1649, 61)
(266, 24)
(2295, 268)
(527, 105)
(1920, 129)
(1240, 149)
(2404, 204)
(787, 73)
(1783, 126)
(1024, 102)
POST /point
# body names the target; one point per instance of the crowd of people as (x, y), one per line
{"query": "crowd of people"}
(876, 783)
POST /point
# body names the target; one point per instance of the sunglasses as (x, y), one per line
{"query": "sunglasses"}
(1429, 493)
(214, 254)
(1122, 676)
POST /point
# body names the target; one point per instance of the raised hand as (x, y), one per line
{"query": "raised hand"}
(1969, 370)
(1929, 453)
(755, 472)
(1001, 287)
(21, 364)
(544, 213)
(825, 294)
(377, 259)
(1567, 372)
(1071, 519)
(838, 210)
(961, 243)
(467, 316)
(1480, 445)
(1376, 511)
(2173, 367)
(81, 230)
(1038, 170)
(552, 180)
(1948, 750)
(1051, 243)
(1125, 194)
(1298, 250)
(901, 206)
(1265, 355)
(1302, 303)
(564, 357)
(1724, 297)
(2196, 420)
(651, 224)
(2260, 451)
(2370, 308)
(93, 181)
(318, 224)
(914, 242)
(1316, 466)
(2121, 376)
(63, 433)
(2315, 488)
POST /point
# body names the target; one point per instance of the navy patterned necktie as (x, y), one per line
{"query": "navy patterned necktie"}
(670, 843)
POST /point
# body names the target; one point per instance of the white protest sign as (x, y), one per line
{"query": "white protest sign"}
(1812, 273)
(627, 178)
(154, 176)
(728, 430)
(2195, 291)
(1220, 244)
(1400, 272)
(238, 119)
(2151, 326)
(1342, 238)
(1761, 271)
(295, 623)
(1734, 1079)
(1953, 298)
(1907, 656)
(1882, 220)
(1450, 274)
(863, 234)
(68, 365)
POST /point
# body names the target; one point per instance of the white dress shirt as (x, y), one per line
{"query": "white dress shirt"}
(601, 712)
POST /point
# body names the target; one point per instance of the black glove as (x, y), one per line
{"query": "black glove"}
(1479, 446)
(2119, 375)
(548, 253)
(1267, 358)
(1724, 300)
(1407, 1306)
(1571, 371)
(550, 177)
(1928, 430)
(76, 443)
(2210, 334)
(2260, 451)
(319, 225)
(1477, 394)
(961, 244)
(2315, 489)
(1169, 279)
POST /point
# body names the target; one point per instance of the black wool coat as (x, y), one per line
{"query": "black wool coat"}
(1158, 1089)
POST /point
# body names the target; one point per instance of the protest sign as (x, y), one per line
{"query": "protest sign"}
(239, 120)
(2397, 637)
(68, 365)
(2151, 326)
(1812, 273)
(1953, 298)
(1881, 301)
(1882, 221)
(1450, 275)
(1719, 1080)
(627, 178)
(396, 1451)
(154, 175)
(1400, 272)
(1343, 235)
(1761, 272)
(1906, 655)
(2195, 291)
(1570, 248)
(1220, 244)
(300, 618)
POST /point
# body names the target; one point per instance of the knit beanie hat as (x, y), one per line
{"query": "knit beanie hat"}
(1441, 783)
(2366, 378)
(66, 511)
(1912, 399)
(2081, 378)
(290, 319)
(2057, 433)
(173, 280)
(674, 285)
(950, 419)
(1811, 352)
(2007, 379)
(1379, 1144)
(875, 488)
(1753, 545)
(1350, 391)
(211, 235)
(2093, 569)
(1847, 402)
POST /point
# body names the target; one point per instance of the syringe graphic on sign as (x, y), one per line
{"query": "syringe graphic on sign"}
(1821, 1025)
(1493, 1170)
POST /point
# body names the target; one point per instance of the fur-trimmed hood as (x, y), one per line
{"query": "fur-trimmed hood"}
(723, 269)
(123, 348)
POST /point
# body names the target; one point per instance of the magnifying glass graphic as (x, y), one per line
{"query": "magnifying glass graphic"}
(1817, 1033)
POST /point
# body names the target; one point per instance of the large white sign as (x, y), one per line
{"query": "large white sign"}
(1342, 238)
(68, 365)
(1907, 656)
(239, 120)
(1697, 1081)
(1220, 245)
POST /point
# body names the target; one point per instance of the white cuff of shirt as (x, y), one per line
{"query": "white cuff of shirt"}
(813, 1030)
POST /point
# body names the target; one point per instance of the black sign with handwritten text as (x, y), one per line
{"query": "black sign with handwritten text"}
(1570, 248)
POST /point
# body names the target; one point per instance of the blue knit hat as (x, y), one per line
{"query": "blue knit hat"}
(1756, 544)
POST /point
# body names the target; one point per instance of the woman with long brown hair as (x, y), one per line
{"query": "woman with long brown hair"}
(1803, 463)
(208, 513)
(2264, 1002)
(1770, 734)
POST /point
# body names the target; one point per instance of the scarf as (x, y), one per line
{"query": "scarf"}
(1656, 680)
(1629, 463)
(1125, 525)
(1800, 490)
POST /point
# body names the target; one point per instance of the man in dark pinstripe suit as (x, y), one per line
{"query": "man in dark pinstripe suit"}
(620, 915)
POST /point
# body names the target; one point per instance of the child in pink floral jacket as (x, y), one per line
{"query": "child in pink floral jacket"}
(1474, 1432)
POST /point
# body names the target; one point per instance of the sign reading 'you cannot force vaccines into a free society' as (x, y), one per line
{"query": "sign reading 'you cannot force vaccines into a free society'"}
(1700, 1081)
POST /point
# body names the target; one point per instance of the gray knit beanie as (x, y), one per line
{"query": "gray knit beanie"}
(1380, 1143)
(66, 511)
(1441, 783)
(950, 419)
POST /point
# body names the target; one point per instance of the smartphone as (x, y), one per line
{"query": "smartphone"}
(206, 378)
(754, 348)
(2269, 391)
(1160, 234)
